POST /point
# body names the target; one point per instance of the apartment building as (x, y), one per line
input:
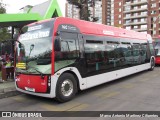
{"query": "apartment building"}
(138, 15)
(154, 18)
(96, 11)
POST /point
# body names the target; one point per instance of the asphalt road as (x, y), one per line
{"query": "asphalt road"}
(138, 92)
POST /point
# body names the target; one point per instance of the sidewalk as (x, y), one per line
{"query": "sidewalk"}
(7, 88)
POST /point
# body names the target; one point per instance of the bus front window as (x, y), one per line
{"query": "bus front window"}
(33, 54)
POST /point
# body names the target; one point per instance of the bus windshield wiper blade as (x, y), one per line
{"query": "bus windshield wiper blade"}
(42, 75)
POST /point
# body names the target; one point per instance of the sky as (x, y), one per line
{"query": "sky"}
(13, 6)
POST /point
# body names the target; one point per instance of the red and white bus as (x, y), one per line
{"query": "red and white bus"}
(57, 57)
(157, 50)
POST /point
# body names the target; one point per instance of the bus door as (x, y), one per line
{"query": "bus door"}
(68, 55)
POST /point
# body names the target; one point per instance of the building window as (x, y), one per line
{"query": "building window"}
(143, 19)
(120, 4)
(143, 26)
(144, 6)
(120, 22)
(128, 15)
(144, 13)
(112, 23)
(128, 21)
(112, 11)
(127, 8)
(120, 10)
(136, 7)
(119, 16)
(135, 27)
(135, 20)
(153, 12)
(154, 19)
(154, 25)
(135, 14)
(128, 27)
(153, 5)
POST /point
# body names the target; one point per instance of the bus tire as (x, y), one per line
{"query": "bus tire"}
(66, 87)
(152, 64)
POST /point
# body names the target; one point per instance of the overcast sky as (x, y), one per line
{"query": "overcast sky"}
(13, 6)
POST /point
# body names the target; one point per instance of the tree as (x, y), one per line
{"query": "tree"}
(2, 7)
(83, 6)
(4, 32)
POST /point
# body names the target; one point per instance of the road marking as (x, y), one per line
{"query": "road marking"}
(60, 107)
(155, 75)
(101, 93)
(79, 108)
(111, 94)
(20, 98)
(128, 86)
(144, 79)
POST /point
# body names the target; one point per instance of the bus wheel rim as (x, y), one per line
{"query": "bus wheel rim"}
(67, 88)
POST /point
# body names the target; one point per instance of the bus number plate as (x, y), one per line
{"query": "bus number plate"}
(30, 89)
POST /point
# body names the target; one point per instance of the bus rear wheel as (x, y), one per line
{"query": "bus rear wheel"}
(66, 87)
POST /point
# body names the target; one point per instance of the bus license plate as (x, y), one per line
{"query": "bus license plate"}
(30, 89)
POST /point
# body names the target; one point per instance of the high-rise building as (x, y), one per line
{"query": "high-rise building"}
(138, 15)
(72, 11)
(96, 11)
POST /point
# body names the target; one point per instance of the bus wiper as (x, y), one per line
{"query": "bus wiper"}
(42, 75)
(31, 48)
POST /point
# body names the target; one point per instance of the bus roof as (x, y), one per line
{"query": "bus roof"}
(86, 27)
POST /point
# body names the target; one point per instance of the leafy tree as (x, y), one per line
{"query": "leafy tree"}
(4, 32)
(83, 6)
(2, 8)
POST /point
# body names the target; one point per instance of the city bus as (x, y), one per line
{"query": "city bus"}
(56, 58)
(157, 51)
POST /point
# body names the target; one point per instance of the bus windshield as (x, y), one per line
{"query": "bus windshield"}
(157, 48)
(33, 49)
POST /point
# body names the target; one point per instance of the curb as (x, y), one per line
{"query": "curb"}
(9, 93)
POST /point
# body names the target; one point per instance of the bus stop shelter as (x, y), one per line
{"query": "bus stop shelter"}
(46, 10)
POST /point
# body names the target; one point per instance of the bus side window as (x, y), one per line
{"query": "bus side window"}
(146, 51)
(138, 56)
(152, 49)
(94, 54)
(127, 50)
(113, 54)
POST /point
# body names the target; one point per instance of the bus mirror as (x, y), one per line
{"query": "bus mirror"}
(20, 45)
(57, 33)
(57, 45)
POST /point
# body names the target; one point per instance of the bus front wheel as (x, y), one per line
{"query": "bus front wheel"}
(66, 87)
(152, 64)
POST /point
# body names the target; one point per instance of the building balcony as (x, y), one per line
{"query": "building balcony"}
(142, 2)
(136, 10)
(140, 30)
(136, 16)
(135, 23)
